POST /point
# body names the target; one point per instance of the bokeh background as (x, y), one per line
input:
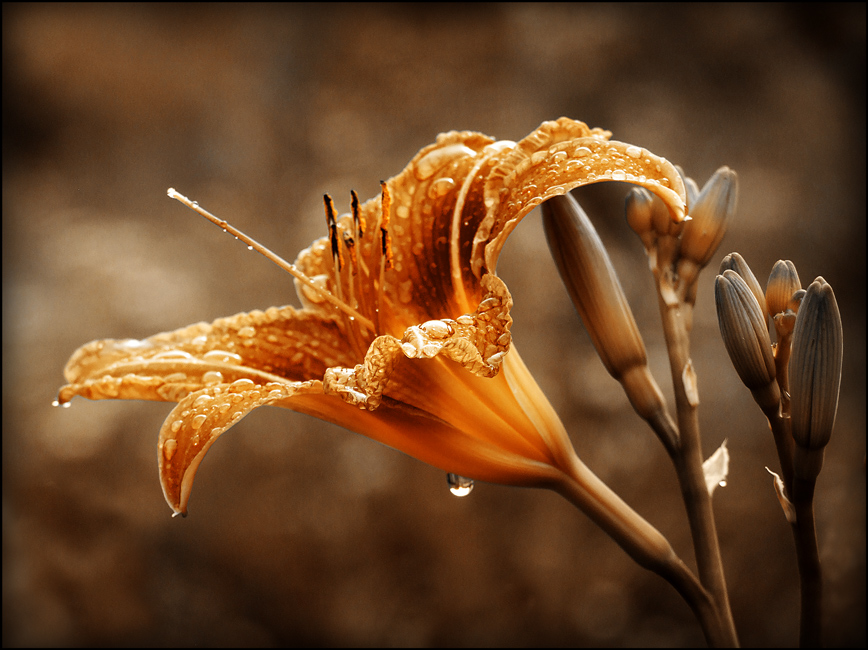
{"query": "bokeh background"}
(301, 533)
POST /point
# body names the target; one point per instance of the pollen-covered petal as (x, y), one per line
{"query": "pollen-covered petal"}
(199, 419)
(275, 345)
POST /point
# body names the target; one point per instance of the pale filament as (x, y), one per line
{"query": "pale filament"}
(282, 263)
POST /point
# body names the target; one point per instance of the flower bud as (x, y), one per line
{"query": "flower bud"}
(815, 376)
(594, 288)
(709, 217)
(690, 187)
(639, 208)
(746, 337)
(736, 262)
(783, 283)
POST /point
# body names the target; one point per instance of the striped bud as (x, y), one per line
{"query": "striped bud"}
(710, 215)
(735, 262)
(746, 337)
(594, 288)
(783, 283)
(815, 376)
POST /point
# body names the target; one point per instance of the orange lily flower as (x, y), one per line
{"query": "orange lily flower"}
(404, 331)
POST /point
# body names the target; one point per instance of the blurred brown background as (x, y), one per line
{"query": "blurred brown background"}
(301, 533)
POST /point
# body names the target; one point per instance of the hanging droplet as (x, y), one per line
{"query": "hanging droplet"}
(460, 486)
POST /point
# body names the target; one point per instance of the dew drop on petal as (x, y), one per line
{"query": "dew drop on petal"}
(169, 448)
(460, 486)
(176, 425)
(202, 400)
(619, 175)
(198, 421)
(634, 151)
(241, 384)
(212, 377)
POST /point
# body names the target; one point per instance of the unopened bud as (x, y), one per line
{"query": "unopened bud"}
(690, 187)
(639, 208)
(594, 288)
(735, 262)
(710, 215)
(746, 337)
(815, 376)
(783, 283)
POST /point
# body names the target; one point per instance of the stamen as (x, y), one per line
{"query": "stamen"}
(359, 228)
(358, 219)
(282, 263)
(386, 248)
(386, 240)
(331, 222)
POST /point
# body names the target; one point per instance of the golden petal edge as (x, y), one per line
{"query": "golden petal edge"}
(200, 418)
(274, 345)
(550, 162)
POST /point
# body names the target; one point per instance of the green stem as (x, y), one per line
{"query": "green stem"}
(688, 460)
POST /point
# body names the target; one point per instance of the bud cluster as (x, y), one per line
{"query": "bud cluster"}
(681, 250)
(798, 377)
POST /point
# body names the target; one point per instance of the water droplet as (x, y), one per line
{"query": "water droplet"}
(172, 355)
(722, 484)
(460, 486)
(241, 384)
(212, 377)
(246, 332)
(169, 448)
(434, 160)
(619, 175)
(176, 426)
(634, 151)
(440, 187)
(198, 421)
(311, 295)
(250, 248)
(202, 400)
(222, 356)
(537, 157)
(402, 211)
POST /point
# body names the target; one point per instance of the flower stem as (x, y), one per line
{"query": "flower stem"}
(676, 318)
(642, 542)
(810, 572)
